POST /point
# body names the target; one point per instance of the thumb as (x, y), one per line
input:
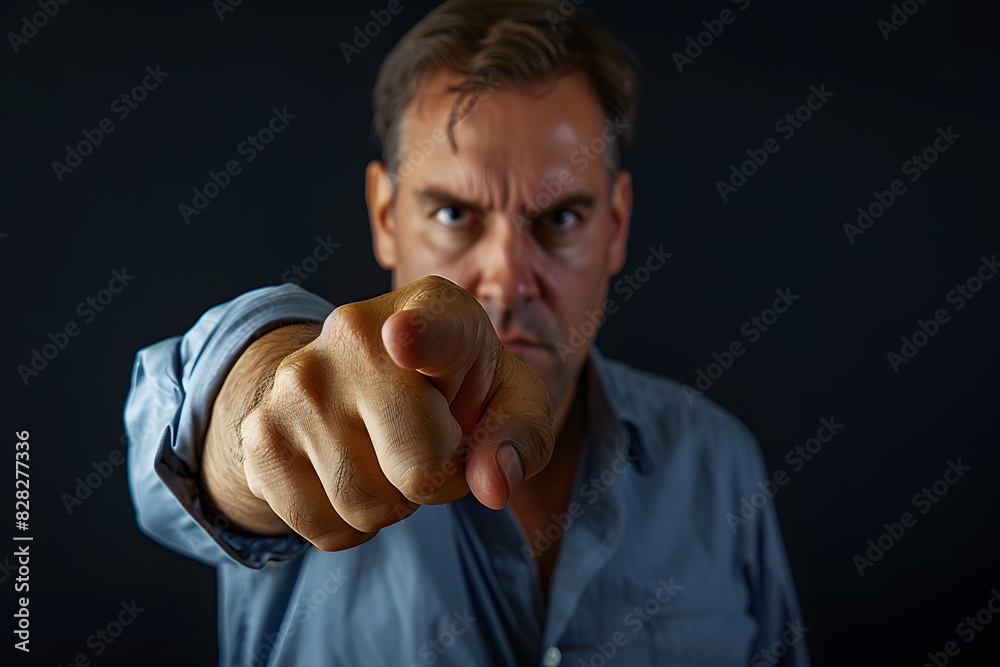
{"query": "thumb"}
(514, 440)
(442, 331)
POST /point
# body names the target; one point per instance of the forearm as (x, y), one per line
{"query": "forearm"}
(223, 480)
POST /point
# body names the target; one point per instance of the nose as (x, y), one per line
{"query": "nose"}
(506, 261)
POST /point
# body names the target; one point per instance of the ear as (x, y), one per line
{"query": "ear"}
(621, 217)
(378, 193)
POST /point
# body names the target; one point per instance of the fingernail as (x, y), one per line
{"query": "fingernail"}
(513, 470)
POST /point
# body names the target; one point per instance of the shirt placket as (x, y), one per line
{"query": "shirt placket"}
(588, 543)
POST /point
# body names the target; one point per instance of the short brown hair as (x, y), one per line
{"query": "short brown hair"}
(516, 41)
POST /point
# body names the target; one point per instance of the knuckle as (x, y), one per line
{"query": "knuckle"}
(408, 434)
(301, 380)
(349, 319)
(382, 515)
(366, 523)
(533, 441)
(485, 432)
(262, 441)
(340, 540)
(542, 436)
(537, 419)
(363, 500)
(315, 522)
(351, 491)
(421, 450)
(354, 341)
(536, 392)
(426, 480)
(540, 396)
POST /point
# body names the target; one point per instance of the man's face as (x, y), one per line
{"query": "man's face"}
(523, 216)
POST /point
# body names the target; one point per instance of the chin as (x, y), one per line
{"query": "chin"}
(557, 375)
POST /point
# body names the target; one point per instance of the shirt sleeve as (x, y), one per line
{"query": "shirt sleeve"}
(781, 638)
(174, 385)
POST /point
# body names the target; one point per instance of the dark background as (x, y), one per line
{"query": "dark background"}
(825, 357)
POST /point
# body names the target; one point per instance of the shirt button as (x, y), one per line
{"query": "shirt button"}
(553, 657)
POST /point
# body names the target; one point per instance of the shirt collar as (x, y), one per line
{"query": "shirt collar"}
(610, 415)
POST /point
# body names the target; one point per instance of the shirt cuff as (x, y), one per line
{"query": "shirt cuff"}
(208, 352)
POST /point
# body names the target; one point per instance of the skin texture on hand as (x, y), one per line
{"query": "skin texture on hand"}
(223, 482)
(530, 235)
(403, 400)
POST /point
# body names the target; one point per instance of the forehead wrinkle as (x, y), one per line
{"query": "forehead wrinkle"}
(486, 187)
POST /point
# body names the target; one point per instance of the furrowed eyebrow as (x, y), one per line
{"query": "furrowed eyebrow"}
(434, 196)
(437, 197)
(581, 201)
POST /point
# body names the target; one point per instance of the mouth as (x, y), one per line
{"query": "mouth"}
(520, 344)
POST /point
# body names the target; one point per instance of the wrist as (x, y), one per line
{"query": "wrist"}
(221, 477)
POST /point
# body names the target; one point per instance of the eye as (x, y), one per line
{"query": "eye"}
(564, 219)
(451, 216)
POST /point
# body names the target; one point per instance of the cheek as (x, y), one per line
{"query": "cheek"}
(419, 257)
(416, 257)
(575, 290)
(582, 270)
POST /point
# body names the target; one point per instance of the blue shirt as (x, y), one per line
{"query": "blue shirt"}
(650, 570)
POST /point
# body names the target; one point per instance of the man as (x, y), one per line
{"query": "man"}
(451, 473)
